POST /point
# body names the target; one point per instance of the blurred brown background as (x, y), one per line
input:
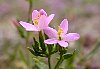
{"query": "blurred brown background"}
(83, 17)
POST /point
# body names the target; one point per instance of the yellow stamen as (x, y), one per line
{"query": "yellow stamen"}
(60, 31)
(35, 21)
(39, 15)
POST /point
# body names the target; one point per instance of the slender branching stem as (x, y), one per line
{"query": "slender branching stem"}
(49, 64)
(49, 57)
(28, 20)
(30, 10)
(59, 62)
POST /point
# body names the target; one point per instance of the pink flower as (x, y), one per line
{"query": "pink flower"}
(40, 21)
(61, 37)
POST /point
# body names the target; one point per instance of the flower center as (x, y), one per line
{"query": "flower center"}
(60, 31)
(39, 15)
(36, 19)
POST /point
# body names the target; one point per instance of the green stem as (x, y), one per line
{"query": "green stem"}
(59, 62)
(49, 62)
(61, 58)
(30, 10)
(49, 56)
(28, 20)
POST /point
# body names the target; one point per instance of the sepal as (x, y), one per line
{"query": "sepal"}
(22, 32)
(67, 55)
(35, 45)
(36, 53)
(41, 42)
(32, 51)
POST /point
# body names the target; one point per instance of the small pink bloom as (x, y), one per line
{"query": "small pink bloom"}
(40, 21)
(61, 37)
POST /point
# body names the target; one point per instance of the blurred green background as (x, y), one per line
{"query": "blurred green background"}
(83, 17)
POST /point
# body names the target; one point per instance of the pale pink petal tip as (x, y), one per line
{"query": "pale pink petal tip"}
(72, 37)
(63, 44)
(50, 41)
(42, 12)
(34, 14)
(28, 27)
(50, 17)
(75, 36)
(64, 25)
(42, 22)
(52, 33)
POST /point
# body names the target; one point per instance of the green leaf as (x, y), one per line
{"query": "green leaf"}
(64, 50)
(36, 53)
(41, 41)
(70, 61)
(36, 50)
(75, 52)
(32, 51)
(22, 32)
(50, 48)
(67, 55)
(36, 45)
(55, 49)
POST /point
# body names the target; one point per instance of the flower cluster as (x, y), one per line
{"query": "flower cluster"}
(40, 22)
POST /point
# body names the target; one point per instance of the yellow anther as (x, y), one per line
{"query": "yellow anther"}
(39, 15)
(60, 31)
(35, 21)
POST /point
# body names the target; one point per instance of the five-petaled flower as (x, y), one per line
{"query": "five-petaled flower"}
(40, 21)
(61, 37)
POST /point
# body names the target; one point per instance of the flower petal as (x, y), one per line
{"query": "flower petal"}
(42, 12)
(51, 41)
(35, 14)
(64, 25)
(49, 18)
(28, 27)
(42, 22)
(52, 33)
(63, 43)
(71, 37)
